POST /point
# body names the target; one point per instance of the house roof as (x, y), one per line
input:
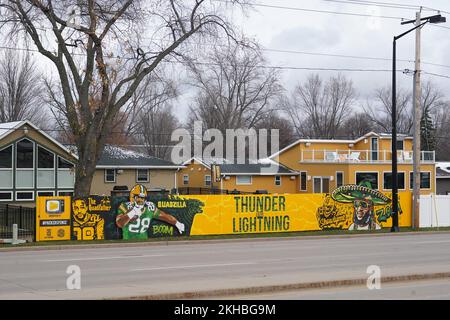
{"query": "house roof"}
(7, 128)
(443, 170)
(117, 157)
(264, 167)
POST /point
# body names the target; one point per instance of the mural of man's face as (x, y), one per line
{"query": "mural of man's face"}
(139, 200)
(79, 208)
(363, 208)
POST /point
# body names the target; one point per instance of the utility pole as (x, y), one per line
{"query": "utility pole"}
(417, 117)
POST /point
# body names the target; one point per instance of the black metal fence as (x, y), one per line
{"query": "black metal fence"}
(24, 217)
(189, 190)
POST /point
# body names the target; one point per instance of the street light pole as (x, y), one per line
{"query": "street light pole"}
(432, 19)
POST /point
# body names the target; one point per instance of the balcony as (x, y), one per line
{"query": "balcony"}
(363, 156)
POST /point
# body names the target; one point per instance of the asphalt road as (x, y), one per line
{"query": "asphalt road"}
(416, 290)
(161, 269)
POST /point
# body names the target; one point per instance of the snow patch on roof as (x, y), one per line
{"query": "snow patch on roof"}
(6, 127)
(121, 153)
(444, 166)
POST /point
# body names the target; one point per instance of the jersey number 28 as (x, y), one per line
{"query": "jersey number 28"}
(140, 225)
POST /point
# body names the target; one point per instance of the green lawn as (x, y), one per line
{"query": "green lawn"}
(237, 236)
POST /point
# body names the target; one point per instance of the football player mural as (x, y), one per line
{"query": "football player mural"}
(86, 225)
(134, 217)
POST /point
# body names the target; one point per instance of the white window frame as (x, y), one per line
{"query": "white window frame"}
(105, 175)
(26, 169)
(55, 164)
(343, 178)
(28, 191)
(4, 192)
(60, 191)
(378, 177)
(137, 176)
(42, 191)
(321, 183)
(404, 182)
(410, 184)
(12, 166)
(206, 180)
(244, 184)
(275, 180)
(64, 169)
(185, 181)
(306, 180)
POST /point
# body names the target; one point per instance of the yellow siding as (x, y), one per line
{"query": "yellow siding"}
(196, 173)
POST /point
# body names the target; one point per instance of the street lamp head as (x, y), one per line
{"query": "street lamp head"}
(437, 19)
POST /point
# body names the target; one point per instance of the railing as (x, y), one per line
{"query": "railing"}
(24, 217)
(364, 156)
(192, 190)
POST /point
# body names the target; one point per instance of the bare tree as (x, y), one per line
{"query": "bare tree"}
(234, 90)
(94, 39)
(357, 125)
(318, 109)
(380, 112)
(273, 121)
(20, 89)
(154, 120)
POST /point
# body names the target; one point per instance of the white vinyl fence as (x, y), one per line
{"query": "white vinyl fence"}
(434, 211)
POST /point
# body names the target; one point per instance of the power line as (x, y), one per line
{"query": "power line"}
(261, 66)
(436, 75)
(280, 51)
(320, 11)
(377, 4)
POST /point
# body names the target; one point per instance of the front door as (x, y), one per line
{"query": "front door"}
(321, 185)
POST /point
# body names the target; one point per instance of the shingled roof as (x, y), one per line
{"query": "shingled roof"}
(117, 157)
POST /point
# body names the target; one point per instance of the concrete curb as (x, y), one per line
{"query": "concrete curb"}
(220, 293)
(211, 241)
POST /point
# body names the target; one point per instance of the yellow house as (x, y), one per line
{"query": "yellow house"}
(324, 165)
(264, 176)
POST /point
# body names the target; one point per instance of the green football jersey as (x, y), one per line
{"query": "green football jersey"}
(137, 227)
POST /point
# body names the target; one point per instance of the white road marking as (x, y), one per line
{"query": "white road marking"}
(105, 258)
(433, 242)
(196, 266)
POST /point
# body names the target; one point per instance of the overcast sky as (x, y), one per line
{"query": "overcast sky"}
(324, 33)
(302, 30)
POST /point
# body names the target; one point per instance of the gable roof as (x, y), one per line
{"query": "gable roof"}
(9, 127)
(116, 157)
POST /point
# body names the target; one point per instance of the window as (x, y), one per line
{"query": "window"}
(244, 180)
(25, 164)
(387, 180)
(339, 179)
(399, 144)
(110, 175)
(46, 169)
(185, 179)
(207, 180)
(371, 177)
(142, 175)
(321, 185)
(46, 193)
(303, 178)
(24, 195)
(374, 148)
(6, 196)
(278, 180)
(6, 168)
(66, 178)
(425, 180)
(25, 154)
(65, 193)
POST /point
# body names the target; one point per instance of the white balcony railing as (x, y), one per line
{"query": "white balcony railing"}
(363, 156)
